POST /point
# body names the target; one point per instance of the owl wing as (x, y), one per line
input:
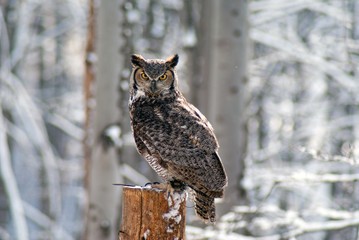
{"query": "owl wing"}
(183, 141)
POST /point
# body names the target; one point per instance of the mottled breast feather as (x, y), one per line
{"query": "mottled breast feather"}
(180, 136)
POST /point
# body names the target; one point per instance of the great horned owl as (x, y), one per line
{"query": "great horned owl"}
(172, 135)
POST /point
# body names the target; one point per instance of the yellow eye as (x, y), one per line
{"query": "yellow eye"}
(163, 77)
(144, 76)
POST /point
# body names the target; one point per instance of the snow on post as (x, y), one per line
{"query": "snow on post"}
(152, 213)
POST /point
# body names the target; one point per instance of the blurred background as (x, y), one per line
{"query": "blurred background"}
(278, 80)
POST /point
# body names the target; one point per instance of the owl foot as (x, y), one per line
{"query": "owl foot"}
(166, 187)
(149, 184)
(162, 186)
(174, 186)
(169, 187)
(178, 185)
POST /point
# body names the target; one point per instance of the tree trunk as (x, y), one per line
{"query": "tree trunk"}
(225, 71)
(103, 170)
(88, 86)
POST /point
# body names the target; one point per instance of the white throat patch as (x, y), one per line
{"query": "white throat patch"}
(138, 94)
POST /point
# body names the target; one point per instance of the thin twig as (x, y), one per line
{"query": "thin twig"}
(31, 118)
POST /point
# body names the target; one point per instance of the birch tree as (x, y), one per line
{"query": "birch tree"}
(104, 198)
(224, 61)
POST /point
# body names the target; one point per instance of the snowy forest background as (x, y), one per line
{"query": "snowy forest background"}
(278, 79)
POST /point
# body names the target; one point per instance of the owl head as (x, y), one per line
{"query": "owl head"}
(153, 77)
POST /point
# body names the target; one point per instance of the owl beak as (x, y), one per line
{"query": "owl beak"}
(153, 86)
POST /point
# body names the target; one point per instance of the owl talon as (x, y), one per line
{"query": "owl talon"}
(149, 184)
(162, 186)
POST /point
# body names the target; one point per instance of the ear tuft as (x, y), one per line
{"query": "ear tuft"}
(172, 61)
(137, 60)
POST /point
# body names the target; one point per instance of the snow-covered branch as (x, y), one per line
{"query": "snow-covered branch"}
(302, 176)
(329, 158)
(268, 219)
(299, 53)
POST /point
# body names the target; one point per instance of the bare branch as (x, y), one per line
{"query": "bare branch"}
(197, 233)
(271, 217)
(302, 176)
(4, 41)
(335, 214)
(131, 174)
(45, 222)
(308, 227)
(266, 11)
(271, 10)
(11, 188)
(300, 53)
(66, 126)
(331, 11)
(329, 158)
(31, 118)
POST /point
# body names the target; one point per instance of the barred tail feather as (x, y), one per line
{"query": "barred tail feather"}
(205, 208)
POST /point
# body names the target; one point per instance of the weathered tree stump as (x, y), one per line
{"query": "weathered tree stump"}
(151, 213)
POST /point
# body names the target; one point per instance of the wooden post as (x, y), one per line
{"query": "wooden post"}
(151, 213)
